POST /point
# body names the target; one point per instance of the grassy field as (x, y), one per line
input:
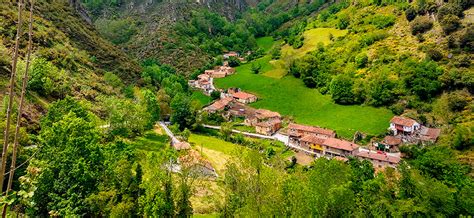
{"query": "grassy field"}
(214, 143)
(201, 98)
(290, 97)
(312, 38)
(151, 141)
(265, 43)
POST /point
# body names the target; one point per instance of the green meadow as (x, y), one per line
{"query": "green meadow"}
(290, 97)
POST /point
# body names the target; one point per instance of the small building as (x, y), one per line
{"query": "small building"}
(297, 131)
(334, 147)
(378, 159)
(261, 115)
(389, 143)
(313, 143)
(181, 146)
(403, 126)
(219, 105)
(429, 134)
(231, 54)
(245, 98)
(268, 127)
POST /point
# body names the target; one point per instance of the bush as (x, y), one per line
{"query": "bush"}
(310, 82)
(383, 21)
(234, 62)
(370, 38)
(449, 9)
(421, 25)
(434, 54)
(361, 60)
(466, 40)
(450, 23)
(410, 13)
(215, 95)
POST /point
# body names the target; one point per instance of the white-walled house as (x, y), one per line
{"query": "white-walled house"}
(403, 125)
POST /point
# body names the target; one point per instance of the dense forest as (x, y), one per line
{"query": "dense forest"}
(89, 144)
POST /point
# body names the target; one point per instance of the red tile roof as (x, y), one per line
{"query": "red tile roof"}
(313, 139)
(378, 156)
(264, 114)
(340, 144)
(221, 103)
(402, 121)
(312, 129)
(243, 95)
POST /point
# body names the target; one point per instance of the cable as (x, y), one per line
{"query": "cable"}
(27, 160)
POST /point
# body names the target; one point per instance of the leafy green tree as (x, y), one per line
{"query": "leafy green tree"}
(152, 105)
(127, 118)
(380, 90)
(182, 113)
(255, 68)
(215, 95)
(234, 62)
(450, 23)
(70, 163)
(341, 89)
(422, 78)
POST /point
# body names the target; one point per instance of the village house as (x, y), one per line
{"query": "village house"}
(239, 110)
(378, 159)
(334, 147)
(389, 143)
(219, 105)
(261, 115)
(297, 131)
(268, 127)
(403, 126)
(245, 98)
(203, 82)
(313, 143)
(231, 54)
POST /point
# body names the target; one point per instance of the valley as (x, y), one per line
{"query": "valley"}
(247, 108)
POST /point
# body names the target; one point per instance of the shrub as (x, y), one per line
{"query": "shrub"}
(113, 80)
(215, 95)
(450, 23)
(370, 38)
(234, 62)
(421, 25)
(383, 21)
(434, 54)
(449, 9)
(361, 60)
(466, 40)
(310, 82)
(410, 13)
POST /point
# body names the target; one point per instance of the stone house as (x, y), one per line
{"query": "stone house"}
(245, 98)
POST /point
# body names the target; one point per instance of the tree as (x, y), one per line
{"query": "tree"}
(70, 164)
(255, 67)
(341, 89)
(422, 78)
(182, 113)
(152, 105)
(421, 25)
(410, 13)
(215, 95)
(233, 62)
(450, 23)
(380, 90)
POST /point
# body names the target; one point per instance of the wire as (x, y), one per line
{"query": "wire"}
(26, 161)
